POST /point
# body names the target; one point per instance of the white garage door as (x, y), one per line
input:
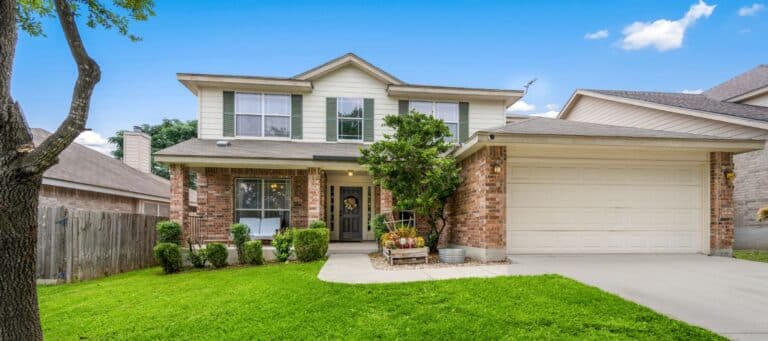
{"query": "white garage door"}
(606, 207)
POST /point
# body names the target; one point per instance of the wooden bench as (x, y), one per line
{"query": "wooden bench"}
(409, 256)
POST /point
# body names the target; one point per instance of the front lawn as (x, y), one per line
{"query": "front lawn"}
(289, 302)
(753, 255)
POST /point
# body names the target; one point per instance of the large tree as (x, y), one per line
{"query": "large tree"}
(164, 135)
(21, 162)
(414, 164)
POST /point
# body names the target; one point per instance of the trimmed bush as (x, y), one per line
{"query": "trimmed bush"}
(282, 243)
(379, 226)
(216, 253)
(240, 235)
(169, 257)
(252, 252)
(310, 244)
(317, 224)
(196, 257)
(168, 232)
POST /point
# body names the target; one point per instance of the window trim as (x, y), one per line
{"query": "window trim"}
(264, 116)
(235, 187)
(361, 119)
(454, 139)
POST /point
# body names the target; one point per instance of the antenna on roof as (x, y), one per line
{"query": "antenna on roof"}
(528, 85)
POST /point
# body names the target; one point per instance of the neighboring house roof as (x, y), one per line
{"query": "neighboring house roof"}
(83, 168)
(263, 149)
(302, 83)
(687, 104)
(742, 84)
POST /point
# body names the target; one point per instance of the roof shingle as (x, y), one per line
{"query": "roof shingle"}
(754, 79)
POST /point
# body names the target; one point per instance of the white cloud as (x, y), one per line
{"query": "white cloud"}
(521, 106)
(552, 107)
(693, 91)
(664, 34)
(95, 141)
(550, 114)
(601, 34)
(751, 10)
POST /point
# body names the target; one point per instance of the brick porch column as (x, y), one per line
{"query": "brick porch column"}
(316, 181)
(385, 200)
(179, 206)
(721, 204)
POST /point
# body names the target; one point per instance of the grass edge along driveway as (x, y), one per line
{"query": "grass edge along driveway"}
(287, 301)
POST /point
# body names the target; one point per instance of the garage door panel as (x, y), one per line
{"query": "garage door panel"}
(602, 242)
(603, 174)
(605, 207)
(556, 195)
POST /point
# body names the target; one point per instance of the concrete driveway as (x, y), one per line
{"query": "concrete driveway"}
(725, 295)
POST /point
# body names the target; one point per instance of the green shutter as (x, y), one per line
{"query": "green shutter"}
(296, 119)
(228, 126)
(368, 119)
(463, 121)
(402, 106)
(330, 118)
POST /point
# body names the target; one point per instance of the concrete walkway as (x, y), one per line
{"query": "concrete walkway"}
(357, 269)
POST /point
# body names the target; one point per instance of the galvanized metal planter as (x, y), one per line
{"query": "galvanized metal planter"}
(452, 256)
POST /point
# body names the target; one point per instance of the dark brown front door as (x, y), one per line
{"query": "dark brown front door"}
(351, 213)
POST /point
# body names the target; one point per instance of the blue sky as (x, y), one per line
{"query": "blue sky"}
(636, 45)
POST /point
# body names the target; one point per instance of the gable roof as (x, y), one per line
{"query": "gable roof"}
(302, 83)
(348, 59)
(687, 104)
(743, 84)
(81, 166)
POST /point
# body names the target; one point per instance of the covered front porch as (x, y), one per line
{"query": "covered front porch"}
(269, 199)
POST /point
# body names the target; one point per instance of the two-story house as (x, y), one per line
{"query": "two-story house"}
(279, 152)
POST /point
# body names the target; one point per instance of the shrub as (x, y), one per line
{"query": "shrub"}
(310, 244)
(169, 257)
(282, 243)
(196, 257)
(216, 253)
(168, 232)
(318, 224)
(379, 226)
(239, 237)
(252, 252)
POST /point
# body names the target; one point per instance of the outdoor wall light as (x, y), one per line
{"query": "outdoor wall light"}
(350, 172)
(496, 166)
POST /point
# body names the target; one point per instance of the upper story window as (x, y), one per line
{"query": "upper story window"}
(350, 118)
(262, 115)
(446, 111)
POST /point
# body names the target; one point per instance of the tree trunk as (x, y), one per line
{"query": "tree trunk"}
(19, 314)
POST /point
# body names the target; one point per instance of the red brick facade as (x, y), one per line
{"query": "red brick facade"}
(721, 204)
(215, 197)
(180, 196)
(477, 209)
(316, 194)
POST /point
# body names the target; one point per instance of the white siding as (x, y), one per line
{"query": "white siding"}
(346, 82)
(595, 110)
(759, 100)
(211, 112)
(137, 151)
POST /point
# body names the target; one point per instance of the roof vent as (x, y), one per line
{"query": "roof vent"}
(223, 143)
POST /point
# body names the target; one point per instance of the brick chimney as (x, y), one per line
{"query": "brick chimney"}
(137, 151)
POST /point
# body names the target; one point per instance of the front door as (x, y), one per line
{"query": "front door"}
(351, 214)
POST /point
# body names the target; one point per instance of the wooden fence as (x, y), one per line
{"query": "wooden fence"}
(76, 245)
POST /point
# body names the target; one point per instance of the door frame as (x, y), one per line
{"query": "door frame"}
(338, 179)
(361, 213)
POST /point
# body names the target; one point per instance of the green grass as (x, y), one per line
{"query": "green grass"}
(289, 302)
(753, 255)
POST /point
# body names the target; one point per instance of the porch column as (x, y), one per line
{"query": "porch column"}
(179, 206)
(316, 183)
(721, 204)
(385, 200)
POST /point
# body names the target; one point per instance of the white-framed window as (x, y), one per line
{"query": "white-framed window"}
(446, 111)
(262, 115)
(349, 117)
(263, 204)
(155, 209)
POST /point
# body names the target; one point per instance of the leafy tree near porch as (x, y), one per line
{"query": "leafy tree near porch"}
(21, 163)
(413, 163)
